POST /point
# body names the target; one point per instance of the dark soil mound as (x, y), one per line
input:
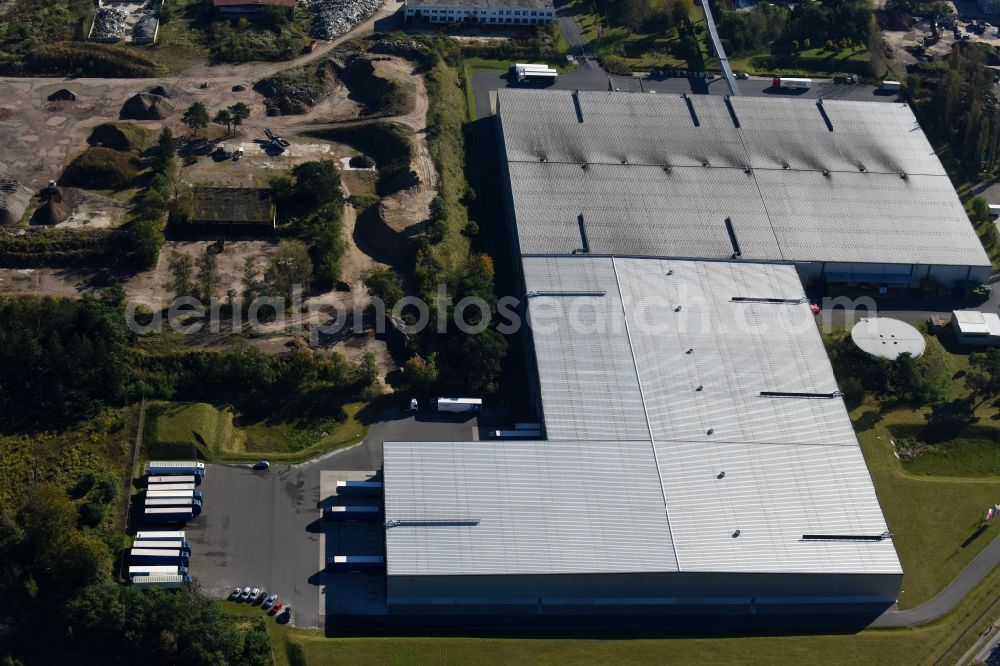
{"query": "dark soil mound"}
(146, 106)
(54, 209)
(62, 95)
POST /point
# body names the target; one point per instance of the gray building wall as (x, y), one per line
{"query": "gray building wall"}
(577, 592)
(912, 275)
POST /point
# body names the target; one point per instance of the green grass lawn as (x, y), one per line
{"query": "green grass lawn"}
(637, 50)
(933, 503)
(946, 639)
(819, 62)
(292, 433)
(975, 454)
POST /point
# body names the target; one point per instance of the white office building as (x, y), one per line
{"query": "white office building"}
(491, 12)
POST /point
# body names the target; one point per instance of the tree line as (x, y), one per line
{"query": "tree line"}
(61, 603)
(831, 24)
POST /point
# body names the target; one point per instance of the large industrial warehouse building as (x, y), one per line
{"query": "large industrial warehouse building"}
(847, 191)
(698, 453)
(698, 456)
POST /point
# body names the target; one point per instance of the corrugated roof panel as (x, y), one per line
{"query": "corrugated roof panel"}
(639, 211)
(869, 218)
(773, 494)
(529, 507)
(737, 351)
(591, 499)
(588, 384)
(789, 214)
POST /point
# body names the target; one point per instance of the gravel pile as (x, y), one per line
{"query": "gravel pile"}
(404, 48)
(336, 17)
(109, 24)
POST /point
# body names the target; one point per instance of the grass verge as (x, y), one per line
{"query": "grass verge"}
(933, 510)
(945, 640)
(295, 433)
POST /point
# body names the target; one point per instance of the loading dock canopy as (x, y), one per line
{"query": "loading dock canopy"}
(657, 176)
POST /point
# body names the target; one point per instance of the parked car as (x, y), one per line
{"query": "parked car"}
(235, 594)
(261, 464)
(254, 594)
(246, 593)
(275, 608)
(742, 76)
(270, 601)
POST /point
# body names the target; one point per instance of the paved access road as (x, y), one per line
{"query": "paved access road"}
(947, 598)
(260, 528)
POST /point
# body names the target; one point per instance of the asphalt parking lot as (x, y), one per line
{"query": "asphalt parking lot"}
(589, 76)
(262, 528)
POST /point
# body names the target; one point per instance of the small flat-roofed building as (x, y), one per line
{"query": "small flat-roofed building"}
(698, 456)
(976, 328)
(849, 192)
(490, 12)
(233, 206)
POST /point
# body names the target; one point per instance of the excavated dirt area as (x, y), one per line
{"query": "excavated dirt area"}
(40, 137)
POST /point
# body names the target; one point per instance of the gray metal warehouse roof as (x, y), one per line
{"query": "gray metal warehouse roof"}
(655, 368)
(657, 175)
(524, 507)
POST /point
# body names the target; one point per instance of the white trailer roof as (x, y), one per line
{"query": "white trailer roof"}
(661, 444)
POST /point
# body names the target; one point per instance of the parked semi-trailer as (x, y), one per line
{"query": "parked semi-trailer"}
(154, 569)
(167, 514)
(174, 478)
(167, 582)
(139, 556)
(160, 535)
(351, 513)
(359, 487)
(176, 467)
(791, 83)
(355, 563)
(528, 73)
(459, 404)
(171, 486)
(173, 494)
(180, 544)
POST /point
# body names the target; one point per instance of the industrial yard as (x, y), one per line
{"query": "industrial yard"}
(497, 332)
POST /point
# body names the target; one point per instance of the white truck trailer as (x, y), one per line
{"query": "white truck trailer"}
(173, 494)
(791, 83)
(155, 569)
(175, 467)
(171, 487)
(167, 582)
(174, 478)
(459, 405)
(530, 73)
(160, 535)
